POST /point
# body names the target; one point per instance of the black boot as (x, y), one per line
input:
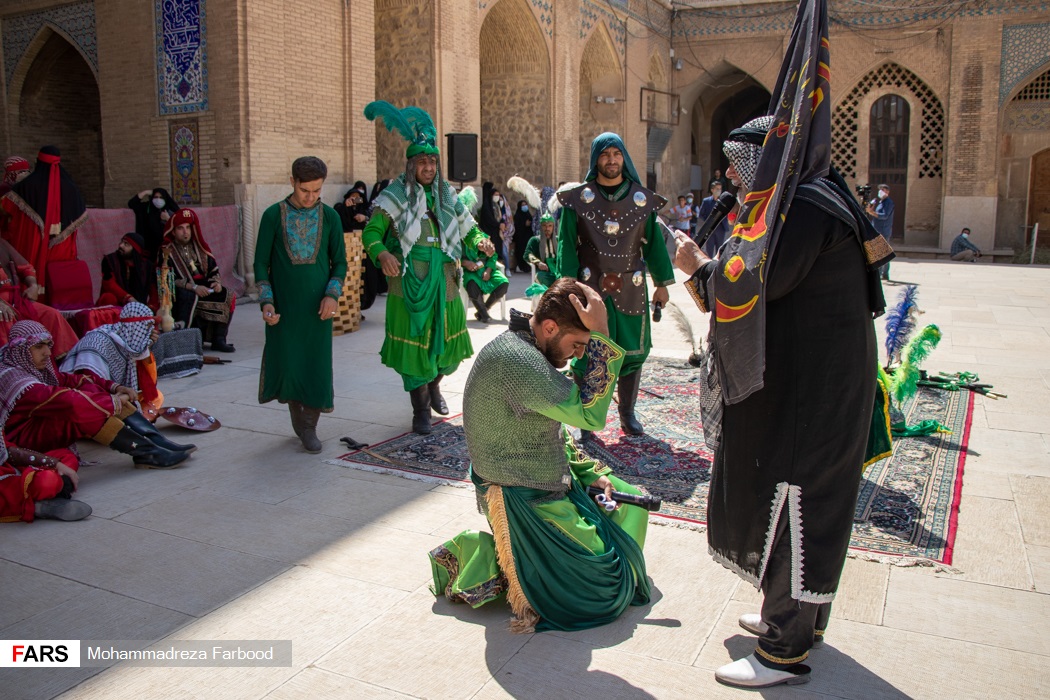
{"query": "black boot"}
(145, 454)
(218, 341)
(627, 392)
(61, 509)
(309, 429)
(478, 300)
(437, 401)
(141, 425)
(420, 410)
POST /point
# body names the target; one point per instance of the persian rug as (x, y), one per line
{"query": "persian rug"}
(907, 509)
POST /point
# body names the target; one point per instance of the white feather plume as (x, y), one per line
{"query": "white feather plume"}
(526, 189)
(468, 196)
(555, 204)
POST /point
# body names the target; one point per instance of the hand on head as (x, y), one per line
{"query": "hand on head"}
(594, 315)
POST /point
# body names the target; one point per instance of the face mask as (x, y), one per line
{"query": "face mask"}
(690, 200)
(882, 194)
(524, 208)
(158, 202)
(495, 200)
(966, 235)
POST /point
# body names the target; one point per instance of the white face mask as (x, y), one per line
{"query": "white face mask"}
(965, 235)
(495, 200)
(883, 194)
(158, 202)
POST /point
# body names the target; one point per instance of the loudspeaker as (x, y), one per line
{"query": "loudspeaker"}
(462, 157)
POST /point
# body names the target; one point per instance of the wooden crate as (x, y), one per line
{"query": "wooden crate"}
(348, 313)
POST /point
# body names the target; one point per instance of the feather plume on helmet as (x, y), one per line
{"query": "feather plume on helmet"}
(412, 123)
(526, 189)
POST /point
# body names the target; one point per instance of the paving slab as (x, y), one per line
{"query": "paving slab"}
(996, 555)
(460, 651)
(1033, 507)
(334, 608)
(318, 684)
(91, 614)
(954, 609)
(1039, 560)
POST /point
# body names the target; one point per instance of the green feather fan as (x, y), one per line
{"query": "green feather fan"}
(393, 118)
(905, 380)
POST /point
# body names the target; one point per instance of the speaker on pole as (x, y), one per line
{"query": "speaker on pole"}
(462, 153)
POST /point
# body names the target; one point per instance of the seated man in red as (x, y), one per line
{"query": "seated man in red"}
(50, 410)
(128, 275)
(35, 485)
(200, 299)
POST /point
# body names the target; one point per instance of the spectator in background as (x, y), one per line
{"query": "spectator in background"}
(717, 175)
(522, 234)
(681, 215)
(152, 210)
(963, 250)
(718, 236)
(353, 210)
(880, 210)
(694, 219)
(490, 217)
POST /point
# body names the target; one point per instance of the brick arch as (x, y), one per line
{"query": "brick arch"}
(846, 119)
(514, 67)
(54, 99)
(600, 75)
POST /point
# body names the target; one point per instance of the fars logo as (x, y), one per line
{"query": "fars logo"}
(39, 653)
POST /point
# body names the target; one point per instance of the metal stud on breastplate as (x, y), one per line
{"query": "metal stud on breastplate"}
(586, 274)
(612, 228)
(636, 279)
(587, 195)
(639, 199)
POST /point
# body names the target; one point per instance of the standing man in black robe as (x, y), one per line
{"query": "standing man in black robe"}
(792, 364)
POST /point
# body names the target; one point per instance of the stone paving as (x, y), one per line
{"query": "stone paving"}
(255, 539)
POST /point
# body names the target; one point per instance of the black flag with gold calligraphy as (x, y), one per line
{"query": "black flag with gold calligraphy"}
(795, 149)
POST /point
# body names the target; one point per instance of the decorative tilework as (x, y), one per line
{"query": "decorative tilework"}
(1026, 48)
(1027, 116)
(591, 13)
(76, 20)
(185, 161)
(717, 18)
(182, 66)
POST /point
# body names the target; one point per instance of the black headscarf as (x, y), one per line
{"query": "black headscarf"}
(488, 219)
(522, 222)
(34, 193)
(134, 273)
(148, 223)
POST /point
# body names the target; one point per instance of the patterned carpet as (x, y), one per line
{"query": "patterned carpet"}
(908, 503)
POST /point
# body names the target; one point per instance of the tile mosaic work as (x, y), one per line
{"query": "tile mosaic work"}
(182, 65)
(1026, 48)
(184, 146)
(77, 21)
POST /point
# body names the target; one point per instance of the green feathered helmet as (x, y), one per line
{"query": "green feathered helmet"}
(413, 123)
(547, 217)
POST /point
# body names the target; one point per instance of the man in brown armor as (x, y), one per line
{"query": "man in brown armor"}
(607, 238)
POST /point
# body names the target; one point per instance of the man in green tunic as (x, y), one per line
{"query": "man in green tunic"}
(300, 266)
(418, 233)
(482, 276)
(542, 251)
(563, 562)
(607, 237)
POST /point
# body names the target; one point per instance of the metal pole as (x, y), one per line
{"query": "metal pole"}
(1035, 237)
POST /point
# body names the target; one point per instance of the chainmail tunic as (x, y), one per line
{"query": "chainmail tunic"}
(509, 441)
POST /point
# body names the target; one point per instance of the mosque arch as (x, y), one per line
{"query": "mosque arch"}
(54, 99)
(727, 98)
(514, 67)
(601, 76)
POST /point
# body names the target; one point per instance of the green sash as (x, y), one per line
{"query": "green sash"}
(425, 295)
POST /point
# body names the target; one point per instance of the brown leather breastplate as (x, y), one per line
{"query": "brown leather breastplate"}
(610, 236)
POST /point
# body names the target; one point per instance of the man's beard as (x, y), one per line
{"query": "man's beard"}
(610, 172)
(550, 348)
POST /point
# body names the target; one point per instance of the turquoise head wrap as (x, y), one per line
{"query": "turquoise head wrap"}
(603, 141)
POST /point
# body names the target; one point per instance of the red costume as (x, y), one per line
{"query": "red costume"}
(43, 212)
(15, 275)
(50, 410)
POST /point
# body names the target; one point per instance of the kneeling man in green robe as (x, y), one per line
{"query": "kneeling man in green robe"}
(563, 562)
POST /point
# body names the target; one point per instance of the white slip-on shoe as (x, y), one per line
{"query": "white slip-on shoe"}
(749, 673)
(752, 622)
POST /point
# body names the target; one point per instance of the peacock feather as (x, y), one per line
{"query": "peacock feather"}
(413, 123)
(900, 322)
